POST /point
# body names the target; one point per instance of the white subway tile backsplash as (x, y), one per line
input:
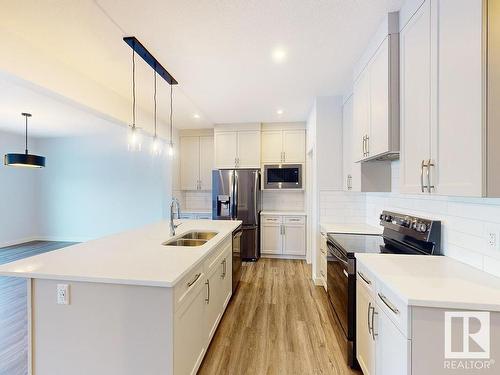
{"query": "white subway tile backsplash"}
(465, 221)
(283, 200)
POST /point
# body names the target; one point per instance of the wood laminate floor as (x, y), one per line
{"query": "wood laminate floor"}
(278, 322)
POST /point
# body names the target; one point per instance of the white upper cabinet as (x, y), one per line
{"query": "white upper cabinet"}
(361, 115)
(294, 146)
(237, 146)
(415, 99)
(372, 176)
(248, 149)
(457, 150)
(444, 101)
(206, 162)
(190, 155)
(196, 162)
(283, 145)
(226, 149)
(376, 95)
(272, 146)
(378, 141)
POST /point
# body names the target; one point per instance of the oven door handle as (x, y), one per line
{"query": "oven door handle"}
(333, 252)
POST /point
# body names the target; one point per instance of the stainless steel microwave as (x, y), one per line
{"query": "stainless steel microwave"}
(282, 176)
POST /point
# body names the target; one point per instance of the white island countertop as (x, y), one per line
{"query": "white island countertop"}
(434, 281)
(135, 257)
(350, 228)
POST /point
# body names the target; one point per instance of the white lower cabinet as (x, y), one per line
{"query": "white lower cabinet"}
(200, 300)
(392, 347)
(365, 342)
(323, 261)
(383, 334)
(189, 340)
(283, 235)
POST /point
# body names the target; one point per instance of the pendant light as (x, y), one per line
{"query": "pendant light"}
(171, 144)
(26, 159)
(134, 136)
(156, 146)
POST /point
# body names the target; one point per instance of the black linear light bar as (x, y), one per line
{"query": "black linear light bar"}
(150, 59)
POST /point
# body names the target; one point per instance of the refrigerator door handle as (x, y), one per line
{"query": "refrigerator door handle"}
(234, 214)
(255, 187)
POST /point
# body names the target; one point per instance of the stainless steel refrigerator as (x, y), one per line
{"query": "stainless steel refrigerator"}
(236, 195)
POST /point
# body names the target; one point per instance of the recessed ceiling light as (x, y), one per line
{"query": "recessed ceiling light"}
(279, 55)
(279, 112)
(196, 116)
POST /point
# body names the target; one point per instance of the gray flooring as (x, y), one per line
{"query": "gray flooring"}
(13, 308)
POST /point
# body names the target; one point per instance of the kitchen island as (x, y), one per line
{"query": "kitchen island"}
(128, 304)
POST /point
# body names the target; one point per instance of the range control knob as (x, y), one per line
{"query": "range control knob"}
(422, 227)
(382, 217)
(406, 222)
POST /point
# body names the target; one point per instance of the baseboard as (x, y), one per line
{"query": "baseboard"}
(18, 241)
(64, 239)
(275, 256)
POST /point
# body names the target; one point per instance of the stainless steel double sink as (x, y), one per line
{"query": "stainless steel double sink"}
(192, 239)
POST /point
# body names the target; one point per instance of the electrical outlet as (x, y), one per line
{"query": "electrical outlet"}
(492, 240)
(62, 294)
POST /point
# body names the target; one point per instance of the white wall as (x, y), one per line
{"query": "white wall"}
(324, 143)
(18, 195)
(93, 186)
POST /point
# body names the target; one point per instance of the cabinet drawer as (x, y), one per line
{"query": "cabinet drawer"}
(294, 220)
(366, 278)
(271, 219)
(323, 268)
(213, 259)
(394, 308)
(187, 286)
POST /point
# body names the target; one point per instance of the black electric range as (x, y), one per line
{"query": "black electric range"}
(402, 234)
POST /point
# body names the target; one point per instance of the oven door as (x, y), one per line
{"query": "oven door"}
(283, 176)
(338, 286)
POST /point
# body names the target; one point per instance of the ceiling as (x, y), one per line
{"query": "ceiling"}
(235, 60)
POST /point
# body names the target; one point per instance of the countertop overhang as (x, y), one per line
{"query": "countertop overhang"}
(135, 257)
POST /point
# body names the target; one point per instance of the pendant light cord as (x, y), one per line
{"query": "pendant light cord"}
(154, 72)
(26, 133)
(171, 123)
(133, 87)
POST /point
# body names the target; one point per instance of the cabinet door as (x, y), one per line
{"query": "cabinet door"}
(226, 146)
(249, 149)
(351, 170)
(378, 141)
(415, 73)
(361, 114)
(272, 240)
(392, 348)
(227, 278)
(294, 146)
(272, 146)
(206, 162)
(189, 334)
(294, 240)
(214, 299)
(365, 343)
(457, 142)
(190, 162)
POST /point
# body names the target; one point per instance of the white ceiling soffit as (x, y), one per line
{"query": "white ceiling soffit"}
(235, 60)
